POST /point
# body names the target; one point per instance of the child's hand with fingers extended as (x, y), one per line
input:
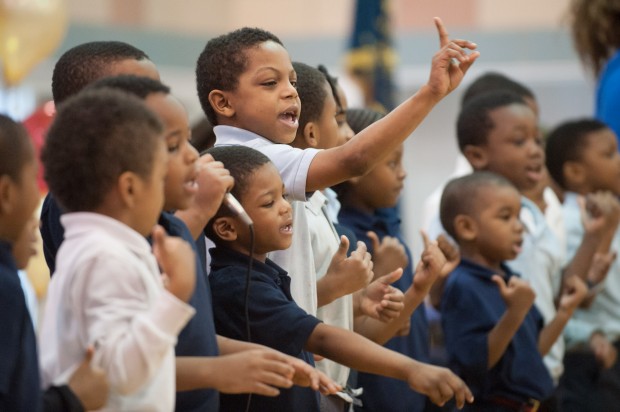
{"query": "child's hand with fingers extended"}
(573, 293)
(388, 254)
(350, 273)
(305, 375)
(450, 63)
(380, 300)
(89, 384)
(451, 252)
(429, 267)
(177, 262)
(440, 385)
(517, 293)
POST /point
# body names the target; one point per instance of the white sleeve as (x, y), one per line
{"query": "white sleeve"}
(130, 318)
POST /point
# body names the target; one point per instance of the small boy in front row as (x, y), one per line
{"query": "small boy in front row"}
(274, 318)
(106, 163)
(494, 336)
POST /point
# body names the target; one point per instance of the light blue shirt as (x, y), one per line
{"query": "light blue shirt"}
(540, 263)
(604, 314)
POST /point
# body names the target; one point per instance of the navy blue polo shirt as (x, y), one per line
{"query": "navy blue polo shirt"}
(275, 321)
(470, 307)
(380, 392)
(197, 337)
(52, 232)
(20, 387)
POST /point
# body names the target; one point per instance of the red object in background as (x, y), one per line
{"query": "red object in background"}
(37, 124)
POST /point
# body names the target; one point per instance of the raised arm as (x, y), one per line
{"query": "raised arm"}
(365, 150)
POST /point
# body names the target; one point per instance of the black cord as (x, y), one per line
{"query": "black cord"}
(247, 299)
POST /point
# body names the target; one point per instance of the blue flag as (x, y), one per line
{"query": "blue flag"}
(371, 57)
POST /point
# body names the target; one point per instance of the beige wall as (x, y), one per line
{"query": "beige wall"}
(316, 17)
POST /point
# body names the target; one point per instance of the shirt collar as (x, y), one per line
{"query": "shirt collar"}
(81, 223)
(6, 255)
(483, 271)
(223, 256)
(229, 135)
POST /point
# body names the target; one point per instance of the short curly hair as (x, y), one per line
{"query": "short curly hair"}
(460, 196)
(242, 162)
(222, 62)
(566, 143)
(96, 136)
(312, 92)
(87, 62)
(139, 86)
(474, 122)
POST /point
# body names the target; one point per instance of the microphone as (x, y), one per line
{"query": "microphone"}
(235, 207)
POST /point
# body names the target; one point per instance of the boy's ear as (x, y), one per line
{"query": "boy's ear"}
(311, 135)
(220, 103)
(574, 174)
(476, 156)
(224, 227)
(127, 185)
(7, 194)
(465, 228)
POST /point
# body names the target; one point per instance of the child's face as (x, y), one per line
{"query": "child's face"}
(181, 184)
(383, 185)
(345, 131)
(24, 198)
(514, 147)
(271, 213)
(265, 101)
(498, 229)
(149, 193)
(601, 161)
(328, 126)
(25, 246)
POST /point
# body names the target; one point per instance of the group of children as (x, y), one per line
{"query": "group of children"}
(312, 269)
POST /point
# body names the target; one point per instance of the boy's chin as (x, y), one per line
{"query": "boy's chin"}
(284, 138)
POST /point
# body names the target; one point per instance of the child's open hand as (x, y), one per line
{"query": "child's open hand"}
(214, 181)
(452, 254)
(600, 212)
(350, 273)
(177, 261)
(388, 254)
(439, 384)
(450, 63)
(517, 294)
(430, 265)
(89, 384)
(305, 375)
(604, 351)
(380, 300)
(573, 293)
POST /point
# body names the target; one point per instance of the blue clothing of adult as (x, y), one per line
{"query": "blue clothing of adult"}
(383, 393)
(608, 94)
(275, 321)
(471, 306)
(198, 336)
(52, 232)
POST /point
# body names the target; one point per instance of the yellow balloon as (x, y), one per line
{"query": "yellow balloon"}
(30, 30)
